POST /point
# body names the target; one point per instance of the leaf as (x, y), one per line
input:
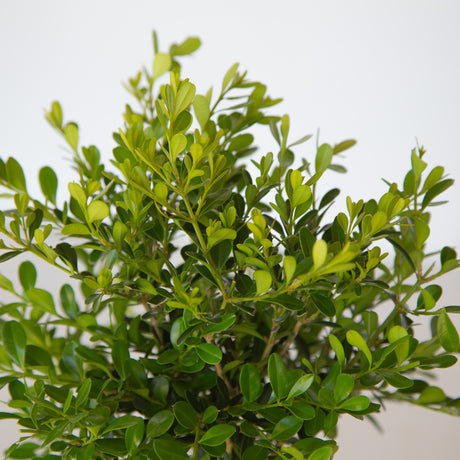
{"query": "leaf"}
(120, 354)
(302, 410)
(436, 190)
(9, 255)
(229, 76)
(221, 235)
(250, 383)
(184, 97)
(27, 275)
(15, 174)
(323, 453)
(286, 428)
(209, 353)
(226, 321)
(337, 346)
(255, 453)
(263, 281)
(323, 303)
(355, 339)
(431, 395)
(78, 194)
(344, 145)
(301, 386)
(447, 333)
(167, 449)
(289, 302)
(344, 385)
(402, 350)
(121, 423)
(289, 265)
(161, 64)
(134, 435)
(48, 183)
(210, 414)
(185, 414)
(159, 424)
(202, 111)
(97, 210)
(217, 434)
(83, 393)
(398, 380)
(75, 229)
(14, 341)
(278, 376)
(41, 299)
(319, 253)
(355, 403)
(71, 135)
(177, 145)
(323, 157)
(188, 46)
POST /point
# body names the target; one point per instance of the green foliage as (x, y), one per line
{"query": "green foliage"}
(213, 310)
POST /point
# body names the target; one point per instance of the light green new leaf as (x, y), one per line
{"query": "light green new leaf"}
(188, 46)
(355, 339)
(177, 145)
(97, 210)
(263, 281)
(323, 157)
(15, 174)
(402, 350)
(75, 229)
(229, 76)
(221, 235)
(78, 194)
(289, 265)
(202, 111)
(161, 64)
(71, 135)
(319, 253)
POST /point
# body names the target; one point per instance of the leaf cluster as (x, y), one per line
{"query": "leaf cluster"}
(215, 308)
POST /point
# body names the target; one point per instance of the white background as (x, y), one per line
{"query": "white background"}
(384, 73)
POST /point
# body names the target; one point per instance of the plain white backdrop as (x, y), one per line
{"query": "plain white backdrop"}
(384, 73)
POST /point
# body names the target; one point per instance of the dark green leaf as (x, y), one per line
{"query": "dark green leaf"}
(185, 414)
(447, 333)
(250, 383)
(286, 428)
(209, 353)
(323, 303)
(217, 434)
(14, 341)
(278, 375)
(160, 423)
